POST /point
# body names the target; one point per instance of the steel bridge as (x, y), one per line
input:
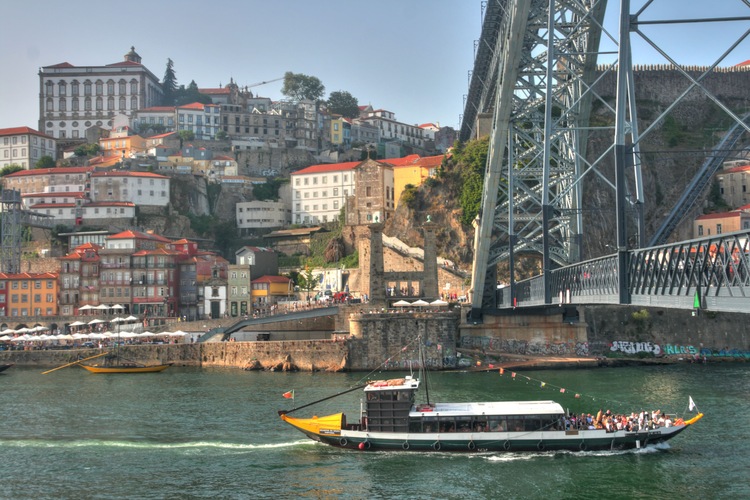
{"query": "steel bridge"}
(535, 79)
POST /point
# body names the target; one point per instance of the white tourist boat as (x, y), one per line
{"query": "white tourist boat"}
(390, 419)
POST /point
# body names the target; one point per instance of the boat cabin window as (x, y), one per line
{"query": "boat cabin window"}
(388, 410)
(482, 423)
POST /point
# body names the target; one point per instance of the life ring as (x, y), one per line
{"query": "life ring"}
(679, 421)
(436, 446)
(506, 445)
(367, 444)
(343, 442)
(405, 445)
(582, 446)
(540, 445)
(471, 446)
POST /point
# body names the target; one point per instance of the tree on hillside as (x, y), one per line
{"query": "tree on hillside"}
(87, 150)
(9, 169)
(190, 94)
(45, 162)
(342, 103)
(185, 135)
(298, 86)
(169, 84)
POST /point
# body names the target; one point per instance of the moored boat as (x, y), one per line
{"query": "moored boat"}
(5, 366)
(391, 419)
(125, 368)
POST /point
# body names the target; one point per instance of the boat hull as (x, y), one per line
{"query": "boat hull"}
(125, 369)
(5, 366)
(539, 441)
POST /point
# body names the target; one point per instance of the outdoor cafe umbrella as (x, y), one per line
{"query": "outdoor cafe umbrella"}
(6, 337)
(118, 306)
(8, 331)
(96, 321)
(131, 318)
(401, 303)
(438, 302)
(420, 303)
(102, 307)
(86, 308)
(22, 330)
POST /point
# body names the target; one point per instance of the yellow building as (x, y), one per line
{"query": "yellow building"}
(723, 222)
(268, 289)
(413, 170)
(28, 294)
(119, 143)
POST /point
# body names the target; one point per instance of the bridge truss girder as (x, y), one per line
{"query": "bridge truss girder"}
(547, 54)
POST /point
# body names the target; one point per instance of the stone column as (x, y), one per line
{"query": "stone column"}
(371, 266)
(430, 276)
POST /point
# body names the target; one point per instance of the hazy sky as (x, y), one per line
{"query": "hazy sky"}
(411, 57)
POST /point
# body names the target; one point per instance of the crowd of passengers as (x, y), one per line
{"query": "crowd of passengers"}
(585, 421)
(634, 422)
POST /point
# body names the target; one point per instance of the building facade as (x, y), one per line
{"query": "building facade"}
(28, 294)
(24, 146)
(74, 98)
(733, 185)
(319, 192)
(252, 215)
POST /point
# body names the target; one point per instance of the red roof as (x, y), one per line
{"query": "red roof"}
(720, 215)
(328, 167)
(166, 134)
(109, 204)
(48, 171)
(28, 276)
(22, 130)
(61, 65)
(124, 63)
(194, 105)
(744, 63)
(127, 235)
(121, 173)
(742, 168)
(272, 279)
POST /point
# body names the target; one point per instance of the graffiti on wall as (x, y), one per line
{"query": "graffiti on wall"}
(523, 347)
(628, 347)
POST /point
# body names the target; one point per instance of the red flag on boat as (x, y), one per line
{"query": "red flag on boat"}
(513, 374)
(289, 394)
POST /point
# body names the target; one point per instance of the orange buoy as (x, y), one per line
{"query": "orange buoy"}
(361, 446)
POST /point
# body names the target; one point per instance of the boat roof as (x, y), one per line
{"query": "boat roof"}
(407, 382)
(492, 408)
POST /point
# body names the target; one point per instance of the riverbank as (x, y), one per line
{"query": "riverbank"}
(315, 355)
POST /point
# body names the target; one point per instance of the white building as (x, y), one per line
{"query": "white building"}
(262, 214)
(140, 188)
(389, 129)
(319, 192)
(24, 146)
(74, 98)
(202, 119)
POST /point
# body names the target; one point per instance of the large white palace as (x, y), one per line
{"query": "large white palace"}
(74, 98)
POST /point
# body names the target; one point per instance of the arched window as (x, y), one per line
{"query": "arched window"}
(99, 87)
(62, 88)
(87, 88)
(133, 87)
(110, 103)
(111, 87)
(122, 103)
(50, 105)
(134, 103)
(62, 105)
(74, 87)
(50, 88)
(87, 104)
(122, 86)
(75, 104)
(99, 104)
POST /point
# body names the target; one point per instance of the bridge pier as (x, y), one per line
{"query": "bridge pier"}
(542, 332)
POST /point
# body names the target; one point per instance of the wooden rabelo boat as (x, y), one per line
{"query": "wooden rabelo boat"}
(390, 419)
(125, 368)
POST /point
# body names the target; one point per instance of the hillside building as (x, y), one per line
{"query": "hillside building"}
(74, 98)
(24, 146)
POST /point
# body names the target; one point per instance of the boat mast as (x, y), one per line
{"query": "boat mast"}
(423, 369)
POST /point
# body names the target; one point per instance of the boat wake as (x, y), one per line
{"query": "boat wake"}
(511, 457)
(203, 445)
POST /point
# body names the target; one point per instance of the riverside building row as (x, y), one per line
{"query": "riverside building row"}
(149, 276)
(75, 99)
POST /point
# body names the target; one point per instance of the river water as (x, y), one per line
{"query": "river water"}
(194, 433)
